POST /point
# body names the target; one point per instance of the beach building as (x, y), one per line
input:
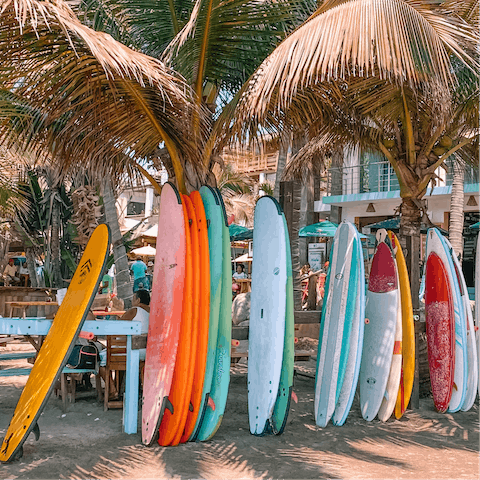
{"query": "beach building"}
(365, 190)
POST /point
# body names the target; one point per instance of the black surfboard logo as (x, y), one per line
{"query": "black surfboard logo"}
(85, 270)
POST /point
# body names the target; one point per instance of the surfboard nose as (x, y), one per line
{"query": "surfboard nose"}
(383, 276)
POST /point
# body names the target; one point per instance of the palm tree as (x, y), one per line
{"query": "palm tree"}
(400, 80)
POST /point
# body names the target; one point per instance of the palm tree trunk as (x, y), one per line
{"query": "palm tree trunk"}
(281, 163)
(456, 210)
(122, 276)
(55, 246)
(32, 271)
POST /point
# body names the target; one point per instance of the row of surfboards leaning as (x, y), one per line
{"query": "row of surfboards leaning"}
(367, 338)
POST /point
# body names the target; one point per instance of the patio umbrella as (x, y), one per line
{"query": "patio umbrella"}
(475, 226)
(394, 225)
(147, 251)
(237, 232)
(322, 229)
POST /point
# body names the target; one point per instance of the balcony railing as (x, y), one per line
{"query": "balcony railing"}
(380, 177)
(248, 163)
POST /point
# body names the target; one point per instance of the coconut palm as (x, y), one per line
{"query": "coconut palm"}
(397, 77)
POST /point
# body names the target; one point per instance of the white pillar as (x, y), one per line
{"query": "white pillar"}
(148, 201)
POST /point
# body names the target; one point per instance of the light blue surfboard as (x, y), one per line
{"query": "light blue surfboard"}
(338, 311)
(267, 313)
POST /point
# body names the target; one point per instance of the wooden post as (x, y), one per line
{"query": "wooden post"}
(412, 257)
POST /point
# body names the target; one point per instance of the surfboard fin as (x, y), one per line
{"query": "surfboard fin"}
(386, 395)
(294, 397)
(36, 432)
(190, 407)
(211, 403)
(455, 386)
(168, 405)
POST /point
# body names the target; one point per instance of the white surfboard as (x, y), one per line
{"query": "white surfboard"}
(436, 243)
(336, 323)
(347, 392)
(472, 361)
(477, 306)
(380, 324)
(391, 391)
(267, 313)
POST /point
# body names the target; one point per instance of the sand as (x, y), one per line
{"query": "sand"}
(87, 442)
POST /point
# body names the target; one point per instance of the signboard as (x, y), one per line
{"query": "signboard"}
(317, 253)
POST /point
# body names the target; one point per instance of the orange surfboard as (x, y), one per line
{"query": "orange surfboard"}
(203, 294)
(165, 311)
(173, 422)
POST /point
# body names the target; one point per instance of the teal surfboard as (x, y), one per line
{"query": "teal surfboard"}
(221, 372)
(215, 221)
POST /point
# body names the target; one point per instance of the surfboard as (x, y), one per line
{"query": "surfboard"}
(58, 344)
(266, 336)
(436, 243)
(440, 325)
(203, 268)
(477, 305)
(379, 336)
(472, 360)
(349, 386)
(336, 322)
(285, 388)
(408, 331)
(391, 390)
(221, 373)
(173, 422)
(215, 220)
(165, 312)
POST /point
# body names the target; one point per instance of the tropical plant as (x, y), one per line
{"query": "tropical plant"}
(415, 102)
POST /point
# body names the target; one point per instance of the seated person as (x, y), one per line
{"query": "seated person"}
(10, 273)
(140, 312)
(239, 274)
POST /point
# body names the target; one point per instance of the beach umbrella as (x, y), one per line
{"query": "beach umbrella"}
(475, 226)
(321, 229)
(147, 251)
(237, 232)
(394, 225)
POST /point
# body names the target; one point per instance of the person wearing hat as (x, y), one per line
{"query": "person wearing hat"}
(150, 274)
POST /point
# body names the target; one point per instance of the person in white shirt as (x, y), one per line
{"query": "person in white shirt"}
(239, 274)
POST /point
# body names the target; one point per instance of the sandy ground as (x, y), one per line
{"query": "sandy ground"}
(87, 442)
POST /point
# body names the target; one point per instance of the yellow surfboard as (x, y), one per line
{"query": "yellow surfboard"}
(408, 332)
(58, 344)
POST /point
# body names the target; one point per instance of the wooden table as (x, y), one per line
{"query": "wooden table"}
(24, 305)
(40, 326)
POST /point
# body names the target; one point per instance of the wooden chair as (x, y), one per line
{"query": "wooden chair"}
(116, 363)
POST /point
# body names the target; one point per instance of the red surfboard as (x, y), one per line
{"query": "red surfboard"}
(165, 311)
(440, 320)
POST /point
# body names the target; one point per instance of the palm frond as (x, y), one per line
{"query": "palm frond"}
(400, 41)
(78, 93)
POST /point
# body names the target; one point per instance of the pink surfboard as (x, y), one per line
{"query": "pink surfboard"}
(440, 323)
(165, 312)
